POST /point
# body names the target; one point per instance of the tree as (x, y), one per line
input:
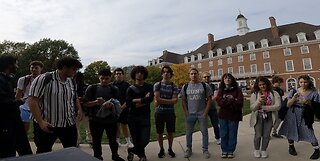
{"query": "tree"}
(48, 51)
(181, 75)
(92, 70)
(154, 74)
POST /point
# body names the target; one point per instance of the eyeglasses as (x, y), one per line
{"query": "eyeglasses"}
(118, 74)
(206, 76)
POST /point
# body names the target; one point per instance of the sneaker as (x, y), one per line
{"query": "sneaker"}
(130, 154)
(276, 135)
(117, 158)
(224, 155)
(188, 153)
(230, 155)
(161, 153)
(264, 154)
(256, 153)
(218, 141)
(130, 145)
(143, 158)
(315, 154)
(171, 153)
(206, 154)
(292, 150)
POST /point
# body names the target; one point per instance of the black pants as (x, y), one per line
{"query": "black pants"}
(44, 141)
(139, 127)
(13, 137)
(96, 129)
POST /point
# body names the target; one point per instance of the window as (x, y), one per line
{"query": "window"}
(301, 37)
(307, 65)
(211, 73)
(199, 65)
(267, 67)
(264, 43)
(287, 51)
(210, 63)
(220, 72)
(304, 49)
(200, 56)
(229, 60)
(192, 58)
(285, 39)
(289, 65)
(229, 50)
(265, 55)
(230, 70)
(219, 52)
(317, 34)
(186, 59)
(291, 82)
(252, 56)
(239, 48)
(210, 53)
(220, 62)
(241, 69)
(253, 68)
(192, 66)
(251, 45)
(240, 58)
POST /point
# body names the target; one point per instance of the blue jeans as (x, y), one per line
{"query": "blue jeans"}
(213, 115)
(203, 124)
(228, 134)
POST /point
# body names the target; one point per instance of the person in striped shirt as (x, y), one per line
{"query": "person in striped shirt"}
(53, 104)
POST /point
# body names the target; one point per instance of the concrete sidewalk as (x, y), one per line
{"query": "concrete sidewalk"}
(277, 150)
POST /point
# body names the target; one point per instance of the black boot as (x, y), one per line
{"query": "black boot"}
(315, 154)
(292, 150)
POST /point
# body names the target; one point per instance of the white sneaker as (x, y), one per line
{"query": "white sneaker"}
(218, 141)
(264, 154)
(256, 153)
(130, 145)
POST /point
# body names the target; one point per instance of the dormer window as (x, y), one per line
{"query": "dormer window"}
(199, 56)
(264, 43)
(251, 45)
(285, 39)
(219, 52)
(192, 58)
(186, 59)
(229, 50)
(317, 34)
(210, 53)
(239, 48)
(301, 37)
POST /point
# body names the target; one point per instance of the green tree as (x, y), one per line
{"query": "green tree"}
(48, 51)
(91, 71)
(154, 74)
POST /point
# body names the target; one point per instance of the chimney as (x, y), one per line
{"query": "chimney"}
(210, 41)
(274, 27)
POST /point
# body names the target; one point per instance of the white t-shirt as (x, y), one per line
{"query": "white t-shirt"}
(20, 85)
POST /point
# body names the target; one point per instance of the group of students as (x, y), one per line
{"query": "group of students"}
(56, 101)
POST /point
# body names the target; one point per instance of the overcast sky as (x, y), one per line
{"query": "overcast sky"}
(127, 32)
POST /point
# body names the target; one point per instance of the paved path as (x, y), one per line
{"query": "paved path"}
(278, 148)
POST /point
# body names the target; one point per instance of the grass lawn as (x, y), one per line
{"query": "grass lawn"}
(180, 123)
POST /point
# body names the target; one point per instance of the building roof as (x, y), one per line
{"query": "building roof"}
(290, 29)
(240, 16)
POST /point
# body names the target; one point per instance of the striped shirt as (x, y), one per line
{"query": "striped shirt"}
(56, 99)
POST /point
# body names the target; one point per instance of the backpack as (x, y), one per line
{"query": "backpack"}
(284, 109)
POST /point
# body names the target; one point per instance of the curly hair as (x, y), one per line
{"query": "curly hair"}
(308, 79)
(139, 69)
(234, 83)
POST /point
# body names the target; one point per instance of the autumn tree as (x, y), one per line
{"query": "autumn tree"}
(92, 70)
(181, 75)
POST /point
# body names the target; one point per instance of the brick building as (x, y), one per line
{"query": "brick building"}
(287, 51)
